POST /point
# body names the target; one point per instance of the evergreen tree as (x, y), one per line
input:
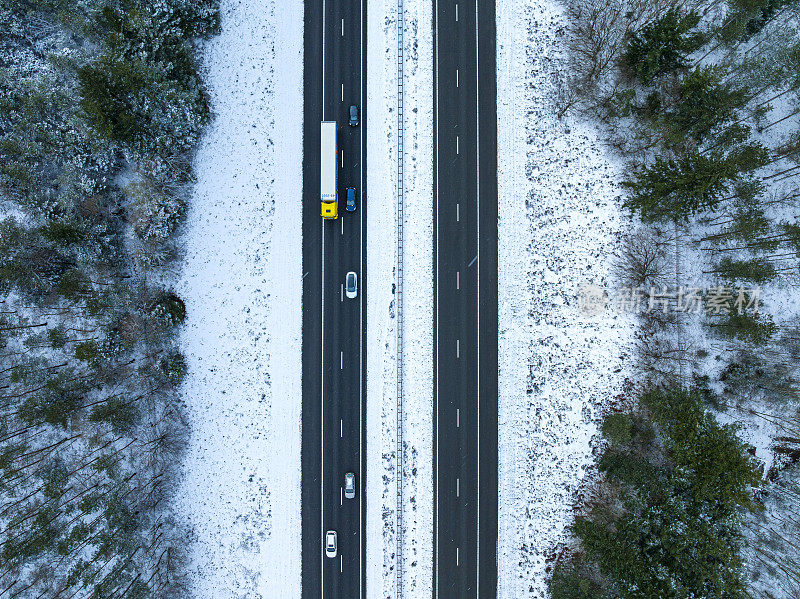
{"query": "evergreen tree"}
(754, 270)
(679, 188)
(662, 46)
(755, 328)
(702, 104)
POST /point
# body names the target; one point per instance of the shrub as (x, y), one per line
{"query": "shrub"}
(618, 428)
(169, 309)
(154, 214)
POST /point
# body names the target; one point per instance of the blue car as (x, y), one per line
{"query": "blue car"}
(351, 199)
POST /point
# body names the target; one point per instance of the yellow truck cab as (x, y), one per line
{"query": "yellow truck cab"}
(329, 210)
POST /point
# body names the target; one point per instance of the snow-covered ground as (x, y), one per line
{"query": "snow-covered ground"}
(381, 279)
(418, 307)
(559, 225)
(242, 286)
(418, 301)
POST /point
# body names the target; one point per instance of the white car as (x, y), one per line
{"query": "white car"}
(351, 285)
(330, 543)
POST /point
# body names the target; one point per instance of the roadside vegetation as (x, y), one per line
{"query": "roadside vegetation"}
(666, 520)
(698, 463)
(101, 107)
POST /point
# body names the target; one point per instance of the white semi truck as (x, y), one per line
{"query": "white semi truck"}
(328, 170)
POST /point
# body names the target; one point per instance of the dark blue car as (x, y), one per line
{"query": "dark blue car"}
(353, 115)
(351, 199)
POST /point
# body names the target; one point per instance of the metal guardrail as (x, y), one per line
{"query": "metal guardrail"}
(400, 451)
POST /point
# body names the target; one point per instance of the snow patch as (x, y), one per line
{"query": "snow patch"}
(242, 286)
(559, 223)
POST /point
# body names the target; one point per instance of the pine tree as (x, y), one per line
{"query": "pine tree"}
(662, 46)
(702, 104)
(754, 270)
(679, 188)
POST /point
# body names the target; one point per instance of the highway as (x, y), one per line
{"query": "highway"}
(334, 326)
(465, 303)
(465, 300)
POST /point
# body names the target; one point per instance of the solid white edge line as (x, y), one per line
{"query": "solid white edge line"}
(478, 305)
(322, 353)
(361, 318)
(322, 408)
(436, 518)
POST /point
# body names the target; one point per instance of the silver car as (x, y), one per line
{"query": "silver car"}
(350, 485)
(330, 543)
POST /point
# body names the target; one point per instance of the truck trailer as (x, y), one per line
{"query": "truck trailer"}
(328, 170)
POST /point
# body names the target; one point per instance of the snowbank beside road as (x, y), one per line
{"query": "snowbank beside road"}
(558, 224)
(242, 286)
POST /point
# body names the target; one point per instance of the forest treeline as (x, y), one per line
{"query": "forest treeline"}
(101, 108)
(701, 100)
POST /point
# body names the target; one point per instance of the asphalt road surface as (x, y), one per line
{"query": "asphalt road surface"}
(465, 300)
(334, 326)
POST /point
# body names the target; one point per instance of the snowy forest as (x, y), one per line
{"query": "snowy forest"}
(101, 107)
(696, 489)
